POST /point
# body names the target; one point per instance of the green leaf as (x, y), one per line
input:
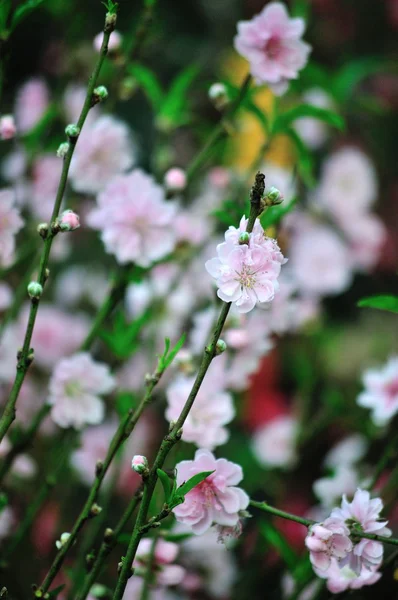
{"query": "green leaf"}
(300, 8)
(165, 481)
(23, 11)
(351, 74)
(259, 114)
(274, 214)
(124, 401)
(389, 303)
(167, 357)
(123, 338)
(5, 8)
(149, 83)
(175, 108)
(187, 486)
(275, 538)
(305, 159)
(54, 593)
(308, 110)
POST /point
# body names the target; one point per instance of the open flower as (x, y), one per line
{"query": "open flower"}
(381, 391)
(272, 43)
(134, 219)
(341, 579)
(10, 223)
(214, 500)
(326, 540)
(75, 389)
(166, 573)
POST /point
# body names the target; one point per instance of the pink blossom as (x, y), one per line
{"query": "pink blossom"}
(191, 227)
(364, 513)
(139, 464)
(13, 166)
(46, 173)
(7, 127)
(274, 444)
(75, 388)
(212, 409)
(326, 540)
(23, 466)
(56, 334)
(77, 283)
(10, 223)
(246, 275)
(347, 452)
(344, 578)
(167, 574)
(175, 179)
(314, 132)
(348, 185)
(5, 296)
(216, 499)
(272, 43)
(134, 219)
(366, 235)
(320, 263)
(31, 104)
(104, 149)
(381, 392)
(115, 41)
(74, 98)
(219, 177)
(69, 221)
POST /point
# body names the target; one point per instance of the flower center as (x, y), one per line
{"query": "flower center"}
(246, 277)
(209, 495)
(391, 390)
(73, 389)
(272, 47)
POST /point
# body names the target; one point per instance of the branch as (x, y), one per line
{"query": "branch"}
(25, 357)
(175, 434)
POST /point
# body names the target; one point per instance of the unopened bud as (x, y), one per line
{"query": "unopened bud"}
(95, 510)
(31, 357)
(273, 196)
(3, 592)
(68, 221)
(46, 274)
(98, 467)
(62, 150)
(139, 464)
(72, 131)
(244, 238)
(99, 94)
(110, 21)
(221, 346)
(179, 434)
(42, 230)
(109, 535)
(62, 541)
(175, 179)
(99, 591)
(35, 290)
(218, 94)
(90, 559)
(171, 426)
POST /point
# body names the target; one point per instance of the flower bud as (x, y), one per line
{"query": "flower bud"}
(100, 94)
(221, 346)
(72, 131)
(110, 21)
(109, 535)
(273, 196)
(98, 467)
(218, 94)
(68, 221)
(62, 541)
(175, 179)
(42, 230)
(7, 127)
(95, 510)
(35, 290)
(244, 238)
(139, 464)
(98, 591)
(62, 149)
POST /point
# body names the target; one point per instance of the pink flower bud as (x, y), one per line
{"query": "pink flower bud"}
(175, 179)
(7, 127)
(115, 41)
(69, 221)
(139, 464)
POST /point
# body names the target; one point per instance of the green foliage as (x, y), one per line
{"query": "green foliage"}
(124, 401)
(275, 538)
(24, 11)
(178, 494)
(259, 114)
(168, 355)
(351, 74)
(388, 303)
(123, 338)
(166, 484)
(54, 593)
(305, 161)
(274, 214)
(307, 110)
(5, 8)
(111, 6)
(150, 85)
(300, 8)
(175, 110)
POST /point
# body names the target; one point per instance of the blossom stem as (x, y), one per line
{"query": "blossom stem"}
(124, 430)
(24, 440)
(107, 546)
(308, 522)
(25, 357)
(175, 434)
(112, 299)
(219, 132)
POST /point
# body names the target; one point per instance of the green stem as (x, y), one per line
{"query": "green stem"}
(107, 546)
(384, 461)
(308, 522)
(25, 357)
(175, 434)
(24, 441)
(219, 131)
